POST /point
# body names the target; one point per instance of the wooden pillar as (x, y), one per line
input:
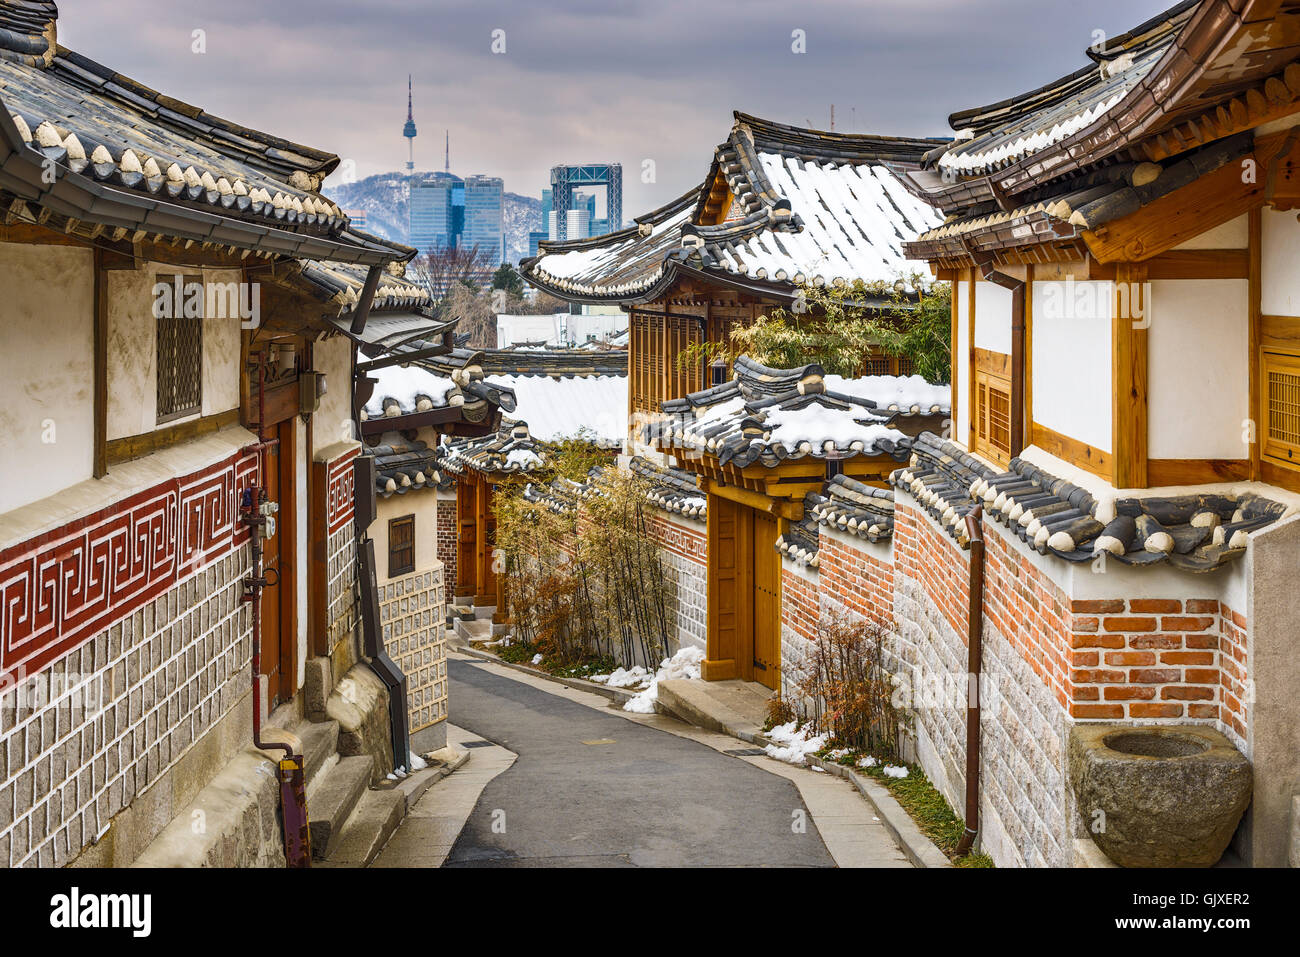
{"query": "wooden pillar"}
(484, 579)
(1256, 424)
(1131, 317)
(101, 367)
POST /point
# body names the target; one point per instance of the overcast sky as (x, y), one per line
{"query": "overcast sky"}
(585, 81)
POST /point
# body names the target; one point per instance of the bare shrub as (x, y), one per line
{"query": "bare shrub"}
(849, 687)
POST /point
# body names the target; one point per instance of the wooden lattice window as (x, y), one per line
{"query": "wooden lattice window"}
(180, 355)
(401, 546)
(993, 416)
(1280, 378)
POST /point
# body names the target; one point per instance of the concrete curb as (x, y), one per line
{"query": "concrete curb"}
(617, 695)
(918, 848)
(416, 785)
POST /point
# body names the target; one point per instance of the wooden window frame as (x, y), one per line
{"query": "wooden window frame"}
(1277, 451)
(397, 568)
(990, 371)
(167, 327)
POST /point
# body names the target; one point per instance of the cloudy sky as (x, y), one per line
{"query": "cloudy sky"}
(586, 80)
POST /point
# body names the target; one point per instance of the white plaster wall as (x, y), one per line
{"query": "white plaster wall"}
(47, 315)
(992, 318)
(961, 426)
(1198, 397)
(1071, 365)
(133, 351)
(1231, 235)
(424, 506)
(332, 423)
(1280, 266)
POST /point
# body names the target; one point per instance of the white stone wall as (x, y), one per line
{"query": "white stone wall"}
(1023, 811)
(75, 753)
(692, 580)
(413, 611)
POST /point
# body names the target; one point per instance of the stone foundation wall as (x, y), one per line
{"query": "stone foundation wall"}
(413, 611)
(684, 550)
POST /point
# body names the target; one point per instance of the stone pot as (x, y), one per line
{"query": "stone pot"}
(1167, 796)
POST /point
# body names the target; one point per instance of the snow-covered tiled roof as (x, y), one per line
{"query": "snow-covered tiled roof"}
(402, 466)
(511, 450)
(770, 415)
(455, 380)
(93, 123)
(806, 207)
(594, 407)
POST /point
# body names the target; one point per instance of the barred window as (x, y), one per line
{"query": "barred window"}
(1281, 382)
(401, 546)
(180, 351)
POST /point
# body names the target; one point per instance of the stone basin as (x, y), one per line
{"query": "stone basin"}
(1167, 796)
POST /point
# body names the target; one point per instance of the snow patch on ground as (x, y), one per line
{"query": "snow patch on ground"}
(537, 659)
(685, 664)
(636, 677)
(793, 745)
(893, 771)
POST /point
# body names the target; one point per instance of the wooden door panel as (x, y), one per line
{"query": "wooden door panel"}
(767, 601)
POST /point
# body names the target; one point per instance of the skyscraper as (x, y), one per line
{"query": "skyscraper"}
(433, 213)
(485, 216)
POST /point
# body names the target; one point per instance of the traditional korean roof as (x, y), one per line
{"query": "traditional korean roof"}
(805, 206)
(570, 407)
(770, 415)
(138, 161)
(452, 381)
(402, 466)
(1200, 532)
(555, 362)
(509, 451)
(801, 541)
(672, 490)
(562, 496)
(1201, 72)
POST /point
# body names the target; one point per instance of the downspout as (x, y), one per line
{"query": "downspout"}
(257, 513)
(1018, 292)
(362, 312)
(974, 669)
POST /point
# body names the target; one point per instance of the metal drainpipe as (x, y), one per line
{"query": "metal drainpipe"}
(255, 512)
(974, 666)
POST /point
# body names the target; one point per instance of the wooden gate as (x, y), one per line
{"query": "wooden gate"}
(767, 601)
(466, 537)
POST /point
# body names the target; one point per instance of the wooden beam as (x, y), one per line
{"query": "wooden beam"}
(782, 508)
(138, 446)
(1256, 272)
(1201, 264)
(1129, 379)
(1169, 472)
(100, 374)
(1070, 450)
(1027, 416)
(1212, 200)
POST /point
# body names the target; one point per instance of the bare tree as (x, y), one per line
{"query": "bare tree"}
(473, 314)
(444, 268)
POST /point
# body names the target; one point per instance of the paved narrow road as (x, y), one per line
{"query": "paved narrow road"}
(593, 789)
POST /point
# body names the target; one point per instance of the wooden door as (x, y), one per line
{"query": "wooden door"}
(767, 601)
(466, 537)
(487, 524)
(729, 604)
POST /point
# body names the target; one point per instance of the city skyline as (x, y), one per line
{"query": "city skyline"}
(570, 67)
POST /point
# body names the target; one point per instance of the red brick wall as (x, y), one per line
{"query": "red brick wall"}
(1147, 658)
(856, 581)
(800, 604)
(923, 553)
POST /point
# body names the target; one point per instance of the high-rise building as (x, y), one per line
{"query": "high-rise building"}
(485, 216)
(433, 213)
(578, 222)
(571, 184)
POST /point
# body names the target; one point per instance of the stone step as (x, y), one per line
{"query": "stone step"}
(335, 798)
(729, 707)
(368, 829)
(474, 630)
(320, 742)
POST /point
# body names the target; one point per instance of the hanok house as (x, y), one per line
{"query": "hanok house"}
(162, 360)
(557, 396)
(413, 391)
(781, 207)
(757, 447)
(1124, 248)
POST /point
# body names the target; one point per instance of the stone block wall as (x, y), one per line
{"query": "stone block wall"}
(110, 679)
(684, 550)
(412, 611)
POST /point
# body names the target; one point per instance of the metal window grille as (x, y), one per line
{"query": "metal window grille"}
(180, 360)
